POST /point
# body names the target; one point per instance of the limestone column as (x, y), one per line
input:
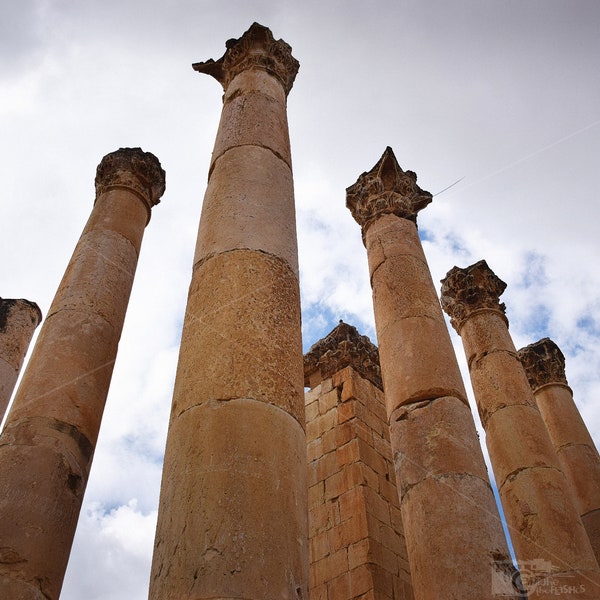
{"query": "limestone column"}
(18, 320)
(549, 540)
(48, 441)
(232, 517)
(545, 369)
(454, 538)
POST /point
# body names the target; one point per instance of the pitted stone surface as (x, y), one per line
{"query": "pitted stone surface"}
(386, 189)
(256, 49)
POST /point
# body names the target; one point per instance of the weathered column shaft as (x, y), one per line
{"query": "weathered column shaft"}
(233, 508)
(451, 522)
(545, 369)
(48, 441)
(547, 534)
(18, 320)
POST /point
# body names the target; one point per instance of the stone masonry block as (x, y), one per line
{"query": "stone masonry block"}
(372, 458)
(352, 503)
(312, 395)
(348, 453)
(326, 466)
(358, 553)
(330, 567)
(377, 506)
(319, 546)
(316, 494)
(328, 401)
(311, 410)
(339, 588)
(361, 580)
(348, 532)
(314, 449)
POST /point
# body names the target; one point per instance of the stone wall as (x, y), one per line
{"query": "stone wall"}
(357, 547)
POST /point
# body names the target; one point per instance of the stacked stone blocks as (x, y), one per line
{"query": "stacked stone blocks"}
(357, 548)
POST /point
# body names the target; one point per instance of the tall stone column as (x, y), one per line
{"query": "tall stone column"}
(550, 542)
(48, 441)
(18, 320)
(232, 517)
(454, 538)
(545, 369)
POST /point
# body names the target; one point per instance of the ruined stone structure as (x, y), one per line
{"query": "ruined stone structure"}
(233, 505)
(545, 369)
(450, 517)
(543, 522)
(369, 486)
(47, 444)
(18, 320)
(357, 546)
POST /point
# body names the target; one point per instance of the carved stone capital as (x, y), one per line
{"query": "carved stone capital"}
(471, 289)
(9, 306)
(386, 189)
(343, 347)
(544, 363)
(256, 49)
(134, 169)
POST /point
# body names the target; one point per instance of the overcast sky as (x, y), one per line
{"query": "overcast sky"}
(504, 96)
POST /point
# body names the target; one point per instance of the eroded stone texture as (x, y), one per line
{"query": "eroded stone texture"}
(343, 347)
(547, 534)
(439, 465)
(233, 507)
(357, 545)
(18, 320)
(386, 189)
(545, 368)
(48, 442)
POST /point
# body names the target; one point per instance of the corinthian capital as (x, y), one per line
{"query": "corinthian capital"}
(256, 49)
(544, 363)
(386, 189)
(343, 347)
(134, 169)
(467, 290)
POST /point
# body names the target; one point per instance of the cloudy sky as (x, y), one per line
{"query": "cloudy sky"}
(503, 96)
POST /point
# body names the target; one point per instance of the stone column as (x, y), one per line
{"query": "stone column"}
(232, 517)
(456, 546)
(545, 369)
(48, 441)
(18, 320)
(549, 539)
